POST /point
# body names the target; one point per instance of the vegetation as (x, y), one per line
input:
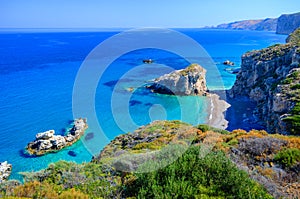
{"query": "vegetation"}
(183, 167)
(191, 176)
(288, 157)
(294, 37)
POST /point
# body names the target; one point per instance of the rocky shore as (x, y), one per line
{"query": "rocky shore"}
(271, 78)
(188, 81)
(47, 141)
(5, 170)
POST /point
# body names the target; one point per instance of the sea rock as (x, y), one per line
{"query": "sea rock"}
(5, 170)
(227, 62)
(188, 81)
(288, 23)
(47, 141)
(262, 79)
(45, 135)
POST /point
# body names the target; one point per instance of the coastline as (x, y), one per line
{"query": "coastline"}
(216, 112)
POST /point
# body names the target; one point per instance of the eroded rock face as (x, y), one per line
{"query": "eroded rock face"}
(287, 23)
(188, 81)
(47, 141)
(5, 170)
(261, 79)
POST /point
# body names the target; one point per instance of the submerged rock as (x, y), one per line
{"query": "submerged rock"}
(188, 81)
(47, 141)
(5, 170)
(72, 153)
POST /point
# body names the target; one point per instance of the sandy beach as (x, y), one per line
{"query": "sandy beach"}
(217, 109)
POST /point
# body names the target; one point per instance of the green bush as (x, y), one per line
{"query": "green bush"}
(288, 157)
(205, 127)
(296, 86)
(192, 176)
(293, 121)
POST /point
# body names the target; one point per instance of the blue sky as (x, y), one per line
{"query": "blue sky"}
(136, 13)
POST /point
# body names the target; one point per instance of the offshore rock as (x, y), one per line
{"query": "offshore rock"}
(47, 141)
(5, 170)
(188, 81)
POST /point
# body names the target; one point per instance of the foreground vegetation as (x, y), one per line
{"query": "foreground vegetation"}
(237, 164)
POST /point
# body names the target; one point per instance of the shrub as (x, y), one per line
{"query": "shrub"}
(296, 86)
(205, 127)
(288, 157)
(37, 190)
(190, 176)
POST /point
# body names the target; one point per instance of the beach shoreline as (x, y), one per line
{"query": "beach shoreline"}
(217, 111)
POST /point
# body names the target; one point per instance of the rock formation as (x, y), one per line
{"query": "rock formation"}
(266, 78)
(5, 170)
(188, 81)
(287, 23)
(47, 141)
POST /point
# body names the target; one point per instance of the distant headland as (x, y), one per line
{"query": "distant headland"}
(285, 24)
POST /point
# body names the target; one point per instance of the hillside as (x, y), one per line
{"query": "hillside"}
(180, 161)
(285, 24)
(261, 24)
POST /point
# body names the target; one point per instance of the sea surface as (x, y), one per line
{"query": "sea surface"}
(38, 69)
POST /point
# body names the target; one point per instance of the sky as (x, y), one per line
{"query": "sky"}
(137, 13)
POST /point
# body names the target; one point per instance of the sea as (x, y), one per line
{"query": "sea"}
(40, 70)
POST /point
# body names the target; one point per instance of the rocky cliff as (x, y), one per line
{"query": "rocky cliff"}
(271, 77)
(188, 81)
(287, 23)
(268, 24)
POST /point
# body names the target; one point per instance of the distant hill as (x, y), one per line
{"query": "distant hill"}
(285, 24)
(268, 24)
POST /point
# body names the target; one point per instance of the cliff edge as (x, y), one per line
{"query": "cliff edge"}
(271, 77)
(287, 23)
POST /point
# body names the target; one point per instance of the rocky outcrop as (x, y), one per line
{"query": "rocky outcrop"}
(47, 141)
(188, 81)
(263, 78)
(294, 37)
(260, 24)
(288, 23)
(5, 170)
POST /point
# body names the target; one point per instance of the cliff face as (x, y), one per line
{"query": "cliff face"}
(261, 24)
(188, 81)
(287, 23)
(265, 78)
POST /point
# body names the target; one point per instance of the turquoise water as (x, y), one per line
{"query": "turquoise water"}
(38, 70)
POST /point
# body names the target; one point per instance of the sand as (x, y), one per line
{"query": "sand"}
(217, 109)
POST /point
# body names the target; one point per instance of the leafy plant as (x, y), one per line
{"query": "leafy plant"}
(288, 157)
(190, 176)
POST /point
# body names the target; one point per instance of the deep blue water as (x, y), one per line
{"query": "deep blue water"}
(37, 74)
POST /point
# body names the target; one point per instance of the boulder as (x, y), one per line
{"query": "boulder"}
(5, 170)
(45, 135)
